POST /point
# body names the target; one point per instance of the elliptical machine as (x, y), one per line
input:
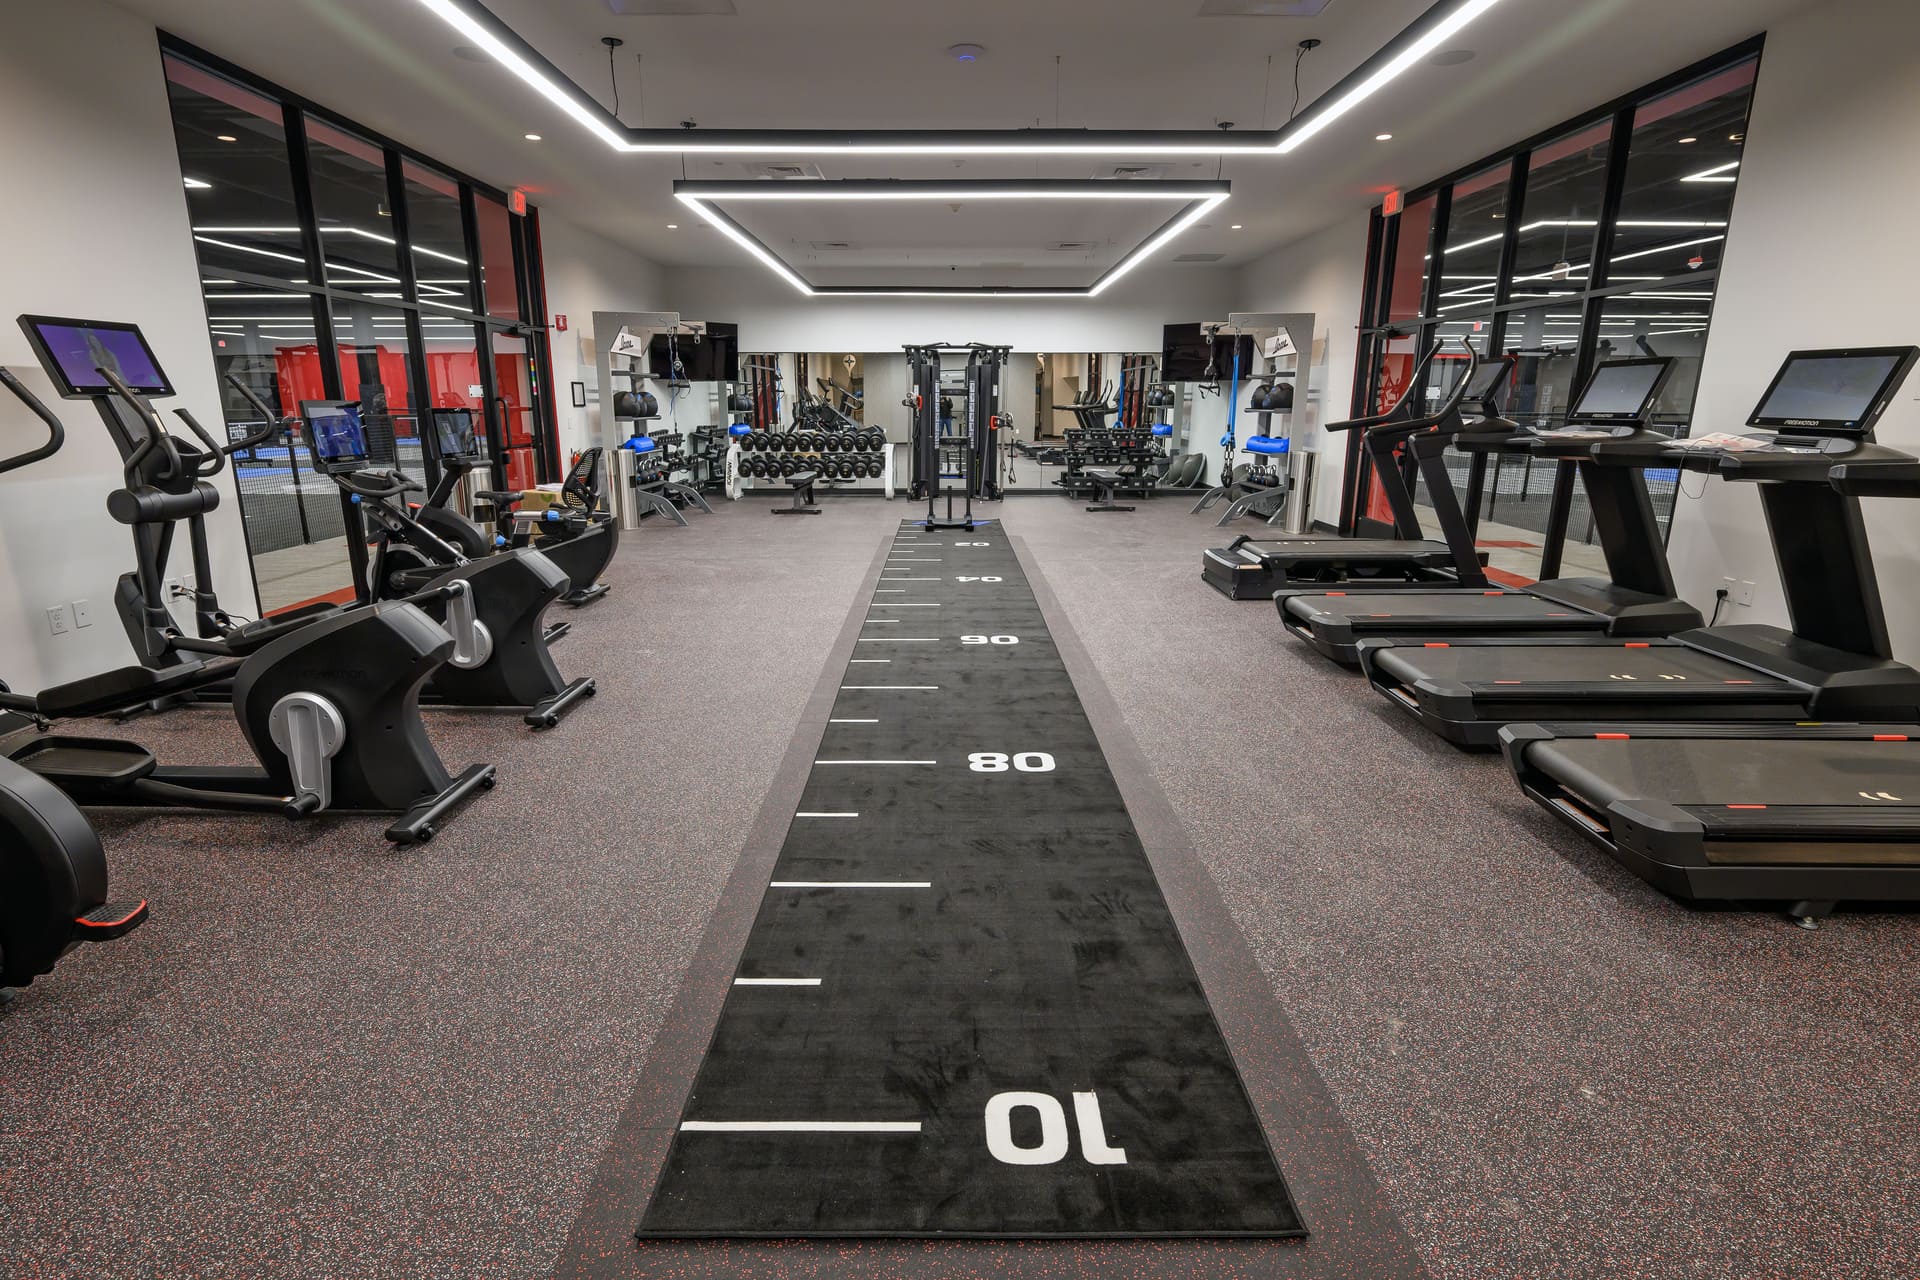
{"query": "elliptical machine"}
(578, 533)
(329, 702)
(501, 657)
(53, 873)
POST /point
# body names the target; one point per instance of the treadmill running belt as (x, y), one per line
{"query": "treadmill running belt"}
(964, 1008)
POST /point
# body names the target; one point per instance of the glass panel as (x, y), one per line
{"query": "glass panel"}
(1411, 258)
(1475, 229)
(349, 177)
(233, 153)
(497, 277)
(513, 398)
(441, 264)
(1566, 181)
(373, 346)
(292, 515)
(1682, 165)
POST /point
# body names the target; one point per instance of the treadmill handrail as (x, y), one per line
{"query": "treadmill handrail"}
(1405, 401)
(1890, 479)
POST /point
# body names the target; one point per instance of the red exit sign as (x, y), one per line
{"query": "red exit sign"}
(1391, 205)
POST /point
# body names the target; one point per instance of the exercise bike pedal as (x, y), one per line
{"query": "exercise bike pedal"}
(110, 920)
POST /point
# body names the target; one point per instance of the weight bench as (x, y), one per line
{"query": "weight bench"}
(1106, 485)
(802, 482)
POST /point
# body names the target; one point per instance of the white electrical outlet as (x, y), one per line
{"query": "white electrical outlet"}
(57, 619)
(1743, 594)
(82, 614)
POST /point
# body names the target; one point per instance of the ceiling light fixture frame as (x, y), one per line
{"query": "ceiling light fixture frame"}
(1195, 201)
(1426, 33)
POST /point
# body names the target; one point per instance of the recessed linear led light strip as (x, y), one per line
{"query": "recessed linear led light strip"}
(1432, 29)
(1199, 199)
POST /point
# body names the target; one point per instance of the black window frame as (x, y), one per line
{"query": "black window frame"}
(529, 278)
(1382, 245)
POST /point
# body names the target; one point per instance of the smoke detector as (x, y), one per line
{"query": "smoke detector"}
(966, 52)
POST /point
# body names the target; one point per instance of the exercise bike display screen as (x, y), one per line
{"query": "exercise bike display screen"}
(453, 432)
(1833, 392)
(335, 434)
(74, 352)
(1621, 391)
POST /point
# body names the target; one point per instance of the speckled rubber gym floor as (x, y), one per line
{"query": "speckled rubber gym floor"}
(1476, 1047)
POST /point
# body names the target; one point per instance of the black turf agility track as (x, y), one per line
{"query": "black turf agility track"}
(964, 1008)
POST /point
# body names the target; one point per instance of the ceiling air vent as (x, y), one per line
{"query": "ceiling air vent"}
(838, 246)
(1134, 171)
(1263, 8)
(783, 170)
(1071, 246)
(672, 8)
(1199, 257)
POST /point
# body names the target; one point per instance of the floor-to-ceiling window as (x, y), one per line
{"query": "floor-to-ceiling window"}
(337, 266)
(1598, 240)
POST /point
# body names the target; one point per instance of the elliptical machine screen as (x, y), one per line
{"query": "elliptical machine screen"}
(453, 431)
(335, 434)
(74, 351)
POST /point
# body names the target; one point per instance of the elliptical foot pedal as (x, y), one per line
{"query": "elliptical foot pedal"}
(110, 920)
(556, 631)
(585, 595)
(418, 824)
(545, 715)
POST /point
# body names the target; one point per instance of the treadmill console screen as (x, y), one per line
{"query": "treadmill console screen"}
(1622, 391)
(1837, 393)
(74, 351)
(453, 431)
(335, 434)
(1488, 375)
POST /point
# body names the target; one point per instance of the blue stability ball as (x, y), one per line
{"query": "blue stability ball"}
(1265, 444)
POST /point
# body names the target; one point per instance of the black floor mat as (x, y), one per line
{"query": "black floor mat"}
(964, 1009)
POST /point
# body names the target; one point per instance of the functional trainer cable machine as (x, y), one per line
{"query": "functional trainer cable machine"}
(963, 447)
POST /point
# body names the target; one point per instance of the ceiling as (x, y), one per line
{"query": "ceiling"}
(392, 66)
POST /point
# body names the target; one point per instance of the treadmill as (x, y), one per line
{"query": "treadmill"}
(1834, 664)
(1635, 599)
(1250, 569)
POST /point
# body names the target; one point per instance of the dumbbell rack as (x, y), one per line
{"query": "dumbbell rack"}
(1109, 447)
(837, 456)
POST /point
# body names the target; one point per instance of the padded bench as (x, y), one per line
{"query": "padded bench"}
(803, 502)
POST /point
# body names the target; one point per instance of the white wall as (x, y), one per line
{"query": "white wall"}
(1323, 273)
(586, 273)
(772, 317)
(100, 232)
(1821, 253)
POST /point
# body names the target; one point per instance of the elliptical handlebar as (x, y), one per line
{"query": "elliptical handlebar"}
(215, 456)
(274, 422)
(365, 483)
(56, 434)
(155, 439)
